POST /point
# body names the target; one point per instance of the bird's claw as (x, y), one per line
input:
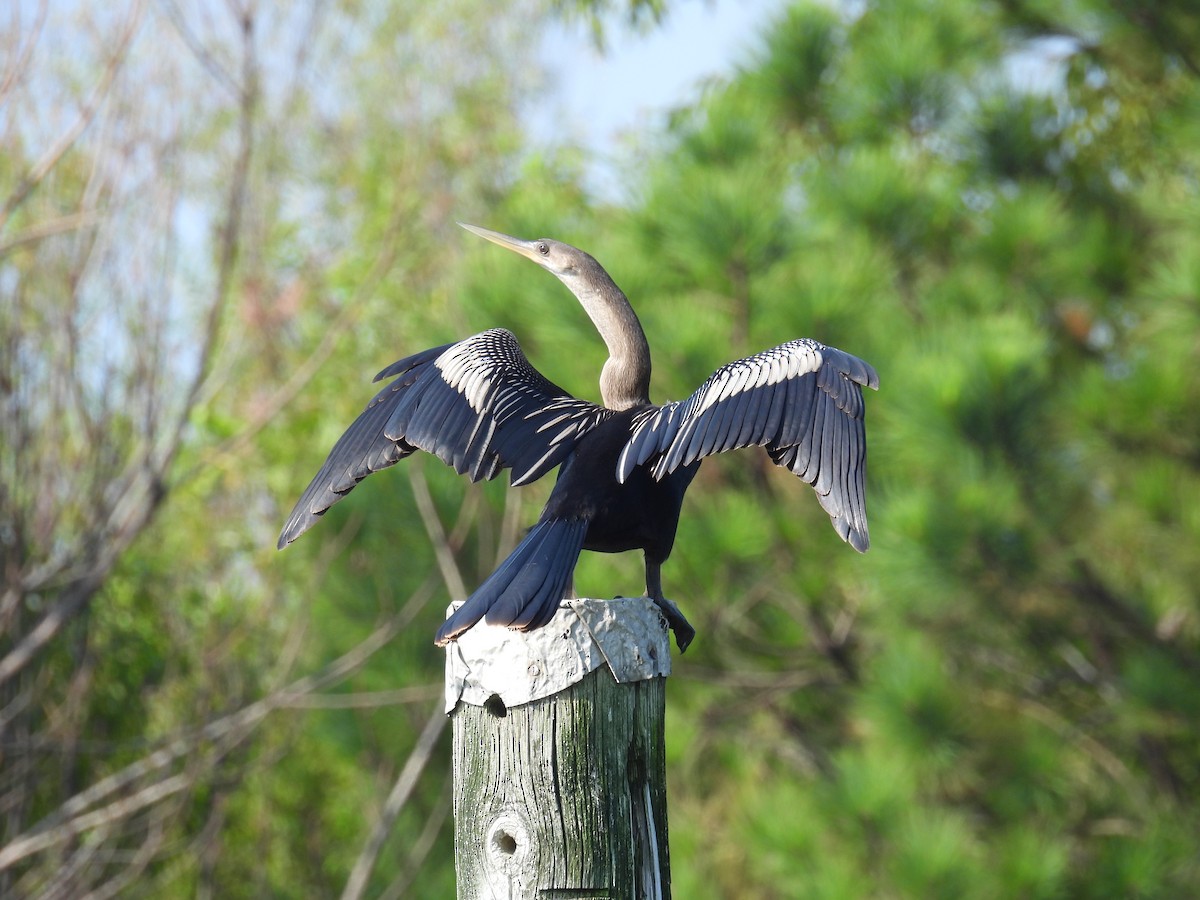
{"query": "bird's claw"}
(684, 632)
(676, 620)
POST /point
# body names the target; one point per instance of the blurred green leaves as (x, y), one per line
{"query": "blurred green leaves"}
(1020, 638)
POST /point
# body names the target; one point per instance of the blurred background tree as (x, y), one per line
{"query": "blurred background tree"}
(216, 221)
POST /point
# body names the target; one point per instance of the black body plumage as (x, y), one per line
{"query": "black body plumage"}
(481, 407)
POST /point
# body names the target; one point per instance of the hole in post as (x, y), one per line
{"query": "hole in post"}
(495, 706)
(505, 842)
(507, 845)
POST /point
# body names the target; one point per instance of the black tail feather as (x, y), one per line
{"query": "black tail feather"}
(524, 592)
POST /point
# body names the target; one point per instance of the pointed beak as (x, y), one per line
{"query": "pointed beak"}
(528, 249)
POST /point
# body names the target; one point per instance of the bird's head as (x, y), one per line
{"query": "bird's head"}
(625, 379)
(567, 262)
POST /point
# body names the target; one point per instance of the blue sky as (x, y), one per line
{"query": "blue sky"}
(600, 100)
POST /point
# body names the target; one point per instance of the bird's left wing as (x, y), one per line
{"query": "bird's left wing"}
(478, 405)
(802, 401)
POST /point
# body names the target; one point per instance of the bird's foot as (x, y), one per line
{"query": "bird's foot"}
(684, 632)
(676, 620)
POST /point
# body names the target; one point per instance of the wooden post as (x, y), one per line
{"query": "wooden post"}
(559, 764)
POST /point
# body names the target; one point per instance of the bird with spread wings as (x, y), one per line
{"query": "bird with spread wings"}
(624, 465)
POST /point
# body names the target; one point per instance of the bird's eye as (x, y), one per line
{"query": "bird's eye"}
(543, 248)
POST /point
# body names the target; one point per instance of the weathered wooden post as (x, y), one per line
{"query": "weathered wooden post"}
(559, 764)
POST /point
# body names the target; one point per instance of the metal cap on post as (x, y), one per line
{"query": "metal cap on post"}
(559, 764)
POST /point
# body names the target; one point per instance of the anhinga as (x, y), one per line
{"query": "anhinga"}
(479, 406)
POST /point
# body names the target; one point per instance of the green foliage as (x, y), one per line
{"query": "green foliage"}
(999, 700)
(1000, 688)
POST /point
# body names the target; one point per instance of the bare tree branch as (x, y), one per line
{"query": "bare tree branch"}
(18, 62)
(88, 112)
(143, 481)
(451, 574)
(230, 231)
(401, 791)
(73, 816)
(158, 183)
(70, 601)
(219, 74)
(416, 857)
(146, 852)
(365, 700)
(106, 815)
(350, 314)
(49, 229)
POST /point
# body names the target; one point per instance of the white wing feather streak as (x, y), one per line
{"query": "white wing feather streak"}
(755, 401)
(476, 404)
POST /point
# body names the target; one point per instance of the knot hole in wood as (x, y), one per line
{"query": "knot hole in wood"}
(508, 845)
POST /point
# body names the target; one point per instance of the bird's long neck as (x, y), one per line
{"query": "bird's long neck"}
(625, 379)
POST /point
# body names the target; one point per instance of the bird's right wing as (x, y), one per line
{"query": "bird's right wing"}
(478, 405)
(801, 401)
